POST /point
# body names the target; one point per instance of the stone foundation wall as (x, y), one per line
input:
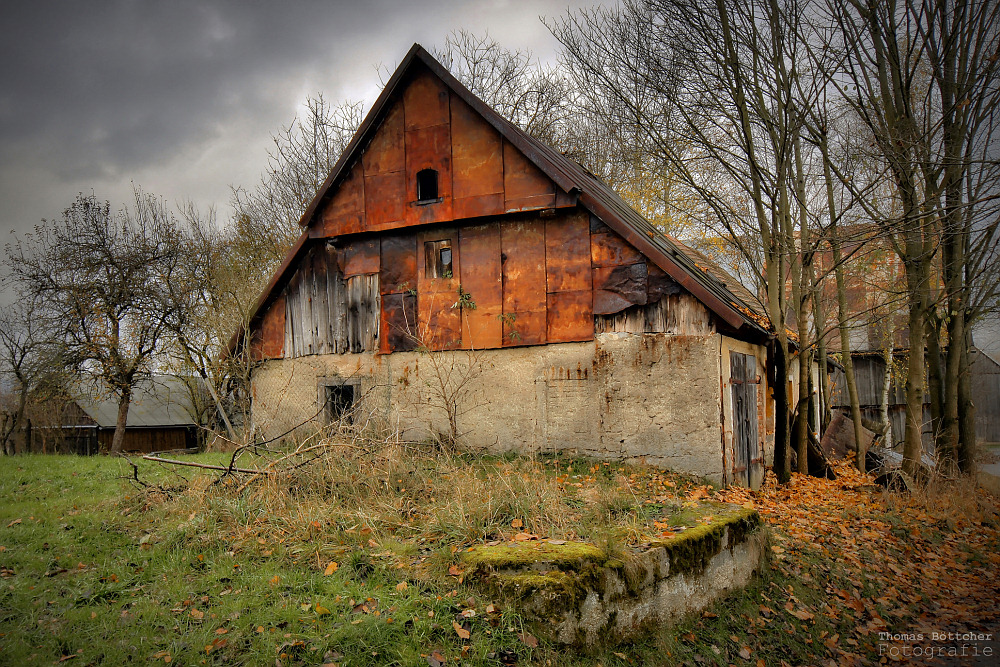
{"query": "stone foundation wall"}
(623, 396)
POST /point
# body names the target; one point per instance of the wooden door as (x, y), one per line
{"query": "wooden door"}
(748, 459)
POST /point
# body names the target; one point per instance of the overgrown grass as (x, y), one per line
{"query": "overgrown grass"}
(347, 561)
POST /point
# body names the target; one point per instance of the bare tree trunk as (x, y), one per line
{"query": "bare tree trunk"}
(123, 402)
(967, 446)
(887, 357)
(936, 388)
(843, 317)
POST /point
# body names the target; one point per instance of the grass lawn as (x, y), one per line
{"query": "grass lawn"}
(350, 561)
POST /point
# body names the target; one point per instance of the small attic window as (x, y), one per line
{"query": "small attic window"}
(427, 185)
(437, 259)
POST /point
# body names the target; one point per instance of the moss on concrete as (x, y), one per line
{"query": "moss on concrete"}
(570, 555)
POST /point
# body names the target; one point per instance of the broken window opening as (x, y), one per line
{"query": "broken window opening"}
(427, 185)
(340, 403)
(437, 259)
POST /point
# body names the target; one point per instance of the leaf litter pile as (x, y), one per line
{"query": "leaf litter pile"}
(353, 560)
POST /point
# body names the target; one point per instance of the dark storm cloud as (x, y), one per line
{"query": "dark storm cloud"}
(182, 97)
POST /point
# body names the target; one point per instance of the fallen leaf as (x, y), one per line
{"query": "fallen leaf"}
(14, 523)
(321, 610)
(330, 568)
(274, 580)
(455, 571)
(528, 639)
(197, 614)
(745, 652)
(402, 586)
(221, 631)
(460, 631)
(516, 523)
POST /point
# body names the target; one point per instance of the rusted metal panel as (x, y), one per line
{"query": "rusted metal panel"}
(385, 153)
(525, 186)
(477, 207)
(399, 322)
(610, 249)
(425, 100)
(345, 214)
(481, 279)
(570, 317)
(565, 199)
(272, 330)
(619, 287)
(428, 148)
(399, 263)
(659, 284)
(524, 328)
(477, 152)
(359, 257)
(567, 254)
(522, 245)
(439, 324)
(385, 200)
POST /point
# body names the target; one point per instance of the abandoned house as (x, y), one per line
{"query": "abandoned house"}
(450, 249)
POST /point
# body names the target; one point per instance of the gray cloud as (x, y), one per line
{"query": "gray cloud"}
(182, 97)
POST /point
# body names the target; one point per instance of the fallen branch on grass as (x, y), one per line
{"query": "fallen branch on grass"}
(192, 464)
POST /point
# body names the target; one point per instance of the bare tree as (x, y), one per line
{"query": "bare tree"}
(30, 362)
(103, 278)
(303, 156)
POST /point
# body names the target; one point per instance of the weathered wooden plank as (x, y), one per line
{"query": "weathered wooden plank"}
(320, 302)
(477, 153)
(428, 148)
(385, 200)
(619, 287)
(567, 254)
(425, 99)
(525, 185)
(399, 263)
(345, 214)
(363, 312)
(570, 317)
(385, 153)
(481, 279)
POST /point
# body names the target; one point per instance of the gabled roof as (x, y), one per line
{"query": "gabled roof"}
(158, 401)
(678, 261)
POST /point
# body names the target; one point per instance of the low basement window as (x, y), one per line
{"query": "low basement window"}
(339, 399)
(437, 259)
(427, 185)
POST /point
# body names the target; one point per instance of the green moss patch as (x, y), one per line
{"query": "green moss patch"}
(535, 555)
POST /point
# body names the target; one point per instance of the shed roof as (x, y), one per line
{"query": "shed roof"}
(158, 401)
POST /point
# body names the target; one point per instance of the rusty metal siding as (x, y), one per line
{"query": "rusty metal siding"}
(477, 155)
(481, 279)
(428, 148)
(525, 186)
(399, 322)
(399, 263)
(522, 246)
(345, 214)
(439, 325)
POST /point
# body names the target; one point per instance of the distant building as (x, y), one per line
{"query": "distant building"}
(161, 417)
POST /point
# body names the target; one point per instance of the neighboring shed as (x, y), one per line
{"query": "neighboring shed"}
(159, 419)
(869, 373)
(569, 320)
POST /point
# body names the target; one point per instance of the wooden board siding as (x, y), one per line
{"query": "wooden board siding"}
(326, 312)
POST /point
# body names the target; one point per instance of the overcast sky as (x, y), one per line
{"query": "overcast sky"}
(182, 97)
